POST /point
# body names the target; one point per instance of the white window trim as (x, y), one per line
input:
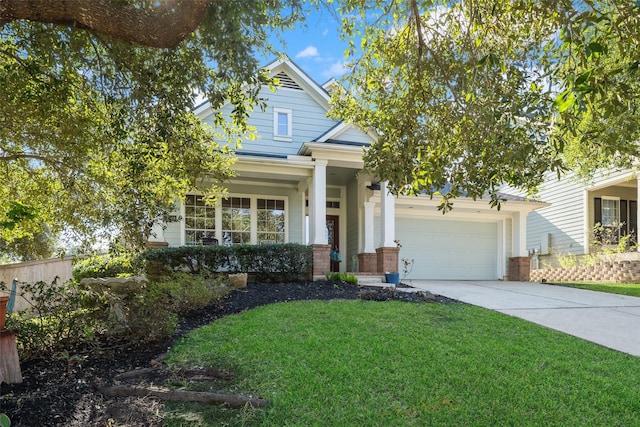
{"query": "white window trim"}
(289, 113)
(254, 216)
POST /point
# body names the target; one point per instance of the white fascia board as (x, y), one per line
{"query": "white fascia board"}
(479, 206)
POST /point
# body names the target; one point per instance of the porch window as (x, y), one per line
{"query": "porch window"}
(282, 121)
(236, 220)
(614, 218)
(610, 212)
(271, 221)
(199, 220)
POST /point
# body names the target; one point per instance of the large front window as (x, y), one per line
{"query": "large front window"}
(199, 220)
(240, 220)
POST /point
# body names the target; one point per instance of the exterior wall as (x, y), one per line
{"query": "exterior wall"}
(353, 225)
(309, 121)
(564, 219)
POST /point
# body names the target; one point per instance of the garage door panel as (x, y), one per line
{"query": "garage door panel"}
(449, 249)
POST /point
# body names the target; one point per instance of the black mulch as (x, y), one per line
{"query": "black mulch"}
(63, 391)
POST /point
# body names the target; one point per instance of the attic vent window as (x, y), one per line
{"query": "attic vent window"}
(287, 82)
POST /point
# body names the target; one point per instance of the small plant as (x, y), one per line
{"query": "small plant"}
(407, 267)
(4, 420)
(341, 277)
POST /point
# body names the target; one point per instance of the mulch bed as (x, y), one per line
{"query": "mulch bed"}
(65, 390)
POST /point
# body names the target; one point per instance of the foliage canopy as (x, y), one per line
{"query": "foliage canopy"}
(469, 95)
(98, 133)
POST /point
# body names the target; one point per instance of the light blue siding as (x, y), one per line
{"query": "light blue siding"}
(309, 121)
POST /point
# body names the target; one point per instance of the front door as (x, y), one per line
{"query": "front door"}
(333, 238)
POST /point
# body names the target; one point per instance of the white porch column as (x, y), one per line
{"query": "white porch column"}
(520, 234)
(387, 216)
(369, 246)
(318, 204)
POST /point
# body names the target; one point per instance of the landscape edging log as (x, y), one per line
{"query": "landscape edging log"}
(232, 400)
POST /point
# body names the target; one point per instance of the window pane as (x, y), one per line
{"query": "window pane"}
(283, 124)
(610, 212)
(271, 221)
(199, 220)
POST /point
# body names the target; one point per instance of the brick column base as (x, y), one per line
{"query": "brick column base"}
(519, 269)
(321, 261)
(387, 259)
(367, 263)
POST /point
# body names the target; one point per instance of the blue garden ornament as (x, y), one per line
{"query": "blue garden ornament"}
(12, 296)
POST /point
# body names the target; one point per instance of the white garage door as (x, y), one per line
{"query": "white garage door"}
(449, 249)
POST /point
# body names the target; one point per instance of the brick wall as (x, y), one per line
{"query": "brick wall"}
(610, 271)
(519, 268)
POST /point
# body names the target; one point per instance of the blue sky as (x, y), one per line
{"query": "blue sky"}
(315, 46)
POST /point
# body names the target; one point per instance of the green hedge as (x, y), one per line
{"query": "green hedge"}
(269, 263)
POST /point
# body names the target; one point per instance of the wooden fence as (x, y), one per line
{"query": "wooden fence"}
(35, 271)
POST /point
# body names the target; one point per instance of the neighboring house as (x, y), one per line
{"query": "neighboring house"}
(301, 181)
(566, 226)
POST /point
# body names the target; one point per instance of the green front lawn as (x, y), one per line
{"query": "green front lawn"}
(631, 289)
(363, 363)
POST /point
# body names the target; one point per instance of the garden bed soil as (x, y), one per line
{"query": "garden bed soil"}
(64, 389)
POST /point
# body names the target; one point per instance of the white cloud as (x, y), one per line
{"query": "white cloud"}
(336, 69)
(308, 52)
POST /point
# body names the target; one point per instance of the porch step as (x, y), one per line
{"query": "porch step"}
(371, 280)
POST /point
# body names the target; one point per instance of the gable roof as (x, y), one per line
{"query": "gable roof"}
(291, 76)
(295, 77)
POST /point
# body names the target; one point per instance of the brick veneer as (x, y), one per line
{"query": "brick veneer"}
(321, 260)
(367, 263)
(519, 268)
(387, 259)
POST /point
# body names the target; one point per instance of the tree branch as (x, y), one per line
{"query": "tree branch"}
(162, 25)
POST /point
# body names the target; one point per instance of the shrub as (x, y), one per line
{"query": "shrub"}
(270, 263)
(60, 314)
(188, 292)
(107, 266)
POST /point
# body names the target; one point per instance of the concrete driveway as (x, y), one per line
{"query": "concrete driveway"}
(607, 319)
